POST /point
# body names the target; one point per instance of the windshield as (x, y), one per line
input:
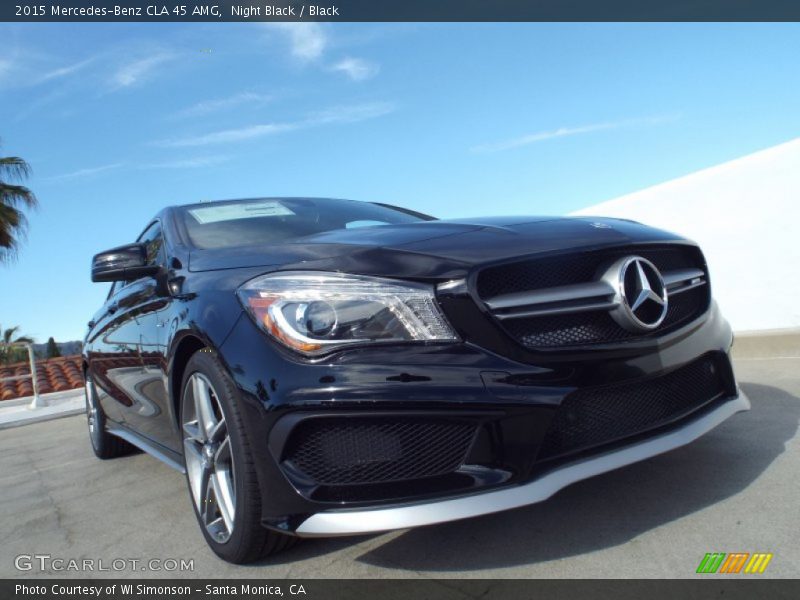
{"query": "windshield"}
(273, 220)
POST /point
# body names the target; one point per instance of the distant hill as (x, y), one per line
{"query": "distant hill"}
(66, 348)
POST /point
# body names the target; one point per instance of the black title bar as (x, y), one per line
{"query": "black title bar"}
(745, 588)
(398, 10)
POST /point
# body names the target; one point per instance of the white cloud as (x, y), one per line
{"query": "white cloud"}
(189, 163)
(542, 136)
(88, 172)
(351, 113)
(119, 67)
(228, 135)
(307, 39)
(65, 71)
(133, 72)
(340, 114)
(23, 67)
(181, 163)
(209, 106)
(356, 69)
(308, 43)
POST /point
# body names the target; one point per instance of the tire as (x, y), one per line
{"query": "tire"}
(104, 444)
(220, 472)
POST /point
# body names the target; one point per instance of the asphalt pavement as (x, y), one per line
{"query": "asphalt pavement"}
(737, 489)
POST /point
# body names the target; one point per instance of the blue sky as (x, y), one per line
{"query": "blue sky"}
(120, 120)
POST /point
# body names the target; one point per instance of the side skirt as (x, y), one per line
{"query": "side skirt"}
(168, 457)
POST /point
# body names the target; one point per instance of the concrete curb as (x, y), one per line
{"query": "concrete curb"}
(17, 412)
(780, 343)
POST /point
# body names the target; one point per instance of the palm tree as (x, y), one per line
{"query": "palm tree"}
(13, 198)
(8, 355)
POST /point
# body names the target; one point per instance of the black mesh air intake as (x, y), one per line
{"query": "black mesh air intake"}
(594, 417)
(336, 451)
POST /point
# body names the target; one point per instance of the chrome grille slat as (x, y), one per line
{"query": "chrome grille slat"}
(684, 280)
(556, 310)
(580, 297)
(576, 291)
(681, 275)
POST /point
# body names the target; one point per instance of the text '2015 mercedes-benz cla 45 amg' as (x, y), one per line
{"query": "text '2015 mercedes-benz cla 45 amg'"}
(324, 367)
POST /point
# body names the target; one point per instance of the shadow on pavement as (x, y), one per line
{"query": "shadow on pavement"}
(605, 511)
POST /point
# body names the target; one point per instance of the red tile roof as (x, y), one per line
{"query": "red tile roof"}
(53, 375)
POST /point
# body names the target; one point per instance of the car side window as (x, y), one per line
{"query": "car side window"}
(154, 244)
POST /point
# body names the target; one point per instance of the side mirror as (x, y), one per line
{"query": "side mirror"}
(124, 263)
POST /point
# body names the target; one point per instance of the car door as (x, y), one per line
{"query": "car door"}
(107, 353)
(135, 366)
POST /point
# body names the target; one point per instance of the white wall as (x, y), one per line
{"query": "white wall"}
(745, 214)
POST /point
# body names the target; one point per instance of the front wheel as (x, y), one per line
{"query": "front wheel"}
(104, 444)
(219, 466)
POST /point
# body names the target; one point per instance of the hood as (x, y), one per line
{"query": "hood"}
(431, 249)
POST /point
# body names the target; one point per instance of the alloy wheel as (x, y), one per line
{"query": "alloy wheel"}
(208, 457)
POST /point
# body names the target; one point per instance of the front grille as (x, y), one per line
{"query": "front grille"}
(335, 451)
(565, 269)
(593, 326)
(593, 417)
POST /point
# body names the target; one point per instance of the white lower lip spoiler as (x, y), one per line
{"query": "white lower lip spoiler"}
(372, 520)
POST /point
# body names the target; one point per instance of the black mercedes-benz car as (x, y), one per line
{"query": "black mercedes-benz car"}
(323, 367)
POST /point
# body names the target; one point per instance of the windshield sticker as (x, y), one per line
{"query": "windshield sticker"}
(232, 212)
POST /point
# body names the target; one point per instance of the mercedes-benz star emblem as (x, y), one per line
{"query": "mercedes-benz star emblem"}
(642, 301)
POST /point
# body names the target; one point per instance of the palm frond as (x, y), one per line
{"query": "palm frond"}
(8, 334)
(13, 229)
(13, 224)
(17, 195)
(13, 167)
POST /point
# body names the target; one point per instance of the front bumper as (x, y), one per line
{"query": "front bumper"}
(514, 403)
(359, 521)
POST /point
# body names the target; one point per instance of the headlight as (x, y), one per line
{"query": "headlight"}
(315, 313)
